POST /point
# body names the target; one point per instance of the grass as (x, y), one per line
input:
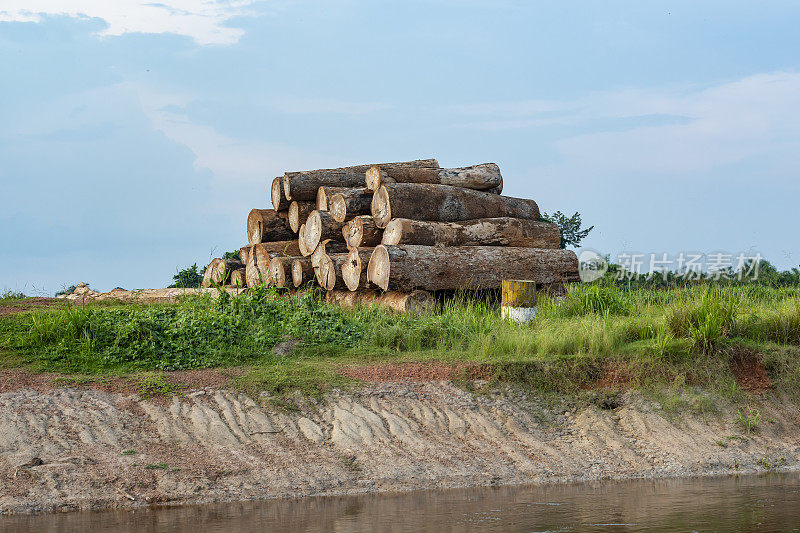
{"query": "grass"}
(675, 339)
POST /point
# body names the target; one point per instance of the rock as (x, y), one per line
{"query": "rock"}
(286, 347)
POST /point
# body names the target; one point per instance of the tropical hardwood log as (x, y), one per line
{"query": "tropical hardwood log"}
(519, 301)
(305, 185)
(321, 226)
(442, 203)
(279, 200)
(301, 242)
(267, 225)
(302, 271)
(254, 273)
(433, 268)
(238, 278)
(219, 271)
(484, 177)
(327, 247)
(343, 271)
(415, 302)
(483, 232)
(362, 231)
(298, 214)
(346, 205)
(324, 193)
(278, 269)
(244, 253)
(279, 248)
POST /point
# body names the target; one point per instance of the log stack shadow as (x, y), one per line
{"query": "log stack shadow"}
(396, 234)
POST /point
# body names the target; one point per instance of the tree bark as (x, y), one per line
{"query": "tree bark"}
(415, 302)
(298, 214)
(327, 247)
(346, 205)
(238, 278)
(485, 177)
(304, 185)
(279, 201)
(433, 268)
(362, 231)
(321, 226)
(302, 271)
(324, 194)
(442, 203)
(483, 232)
(267, 225)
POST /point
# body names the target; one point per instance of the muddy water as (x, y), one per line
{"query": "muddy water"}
(769, 502)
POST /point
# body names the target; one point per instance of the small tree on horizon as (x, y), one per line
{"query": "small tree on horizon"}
(570, 227)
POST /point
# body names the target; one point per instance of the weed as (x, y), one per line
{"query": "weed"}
(154, 384)
(749, 418)
(157, 466)
(129, 452)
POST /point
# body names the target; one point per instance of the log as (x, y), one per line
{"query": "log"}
(351, 203)
(433, 268)
(244, 253)
(362, 231)
(323, 195)
(279, 248)
(267, 225)
(301, 242)
(298, 214)
(254, 273)
(278, 268)
(257, 268)
(416, 302)
(483, 232)
(279, 200)
(442, 203)
(484, 177)
(321, 226)
(327, 247)
(302, 271)
(218, 272)
(238, 278)
(343, 271)
(305, 185)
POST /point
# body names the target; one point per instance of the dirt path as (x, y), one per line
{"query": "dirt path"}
(68, 448)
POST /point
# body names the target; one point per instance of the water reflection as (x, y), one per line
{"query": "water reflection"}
(767, 503)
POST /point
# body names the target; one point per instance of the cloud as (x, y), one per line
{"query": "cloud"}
(683, 130)
(202, 20)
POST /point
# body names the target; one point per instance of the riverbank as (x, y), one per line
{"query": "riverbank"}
(70, 448)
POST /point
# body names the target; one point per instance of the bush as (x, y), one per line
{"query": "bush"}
(189, 277)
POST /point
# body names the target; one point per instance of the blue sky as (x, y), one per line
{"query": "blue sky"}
(136, 136)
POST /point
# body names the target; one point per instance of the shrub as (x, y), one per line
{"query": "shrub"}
(189, 277)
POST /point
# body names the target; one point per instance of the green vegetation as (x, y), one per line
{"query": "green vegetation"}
(571, 232)
(190, 277)
(11, 295)
(675, 340)
(749, 418)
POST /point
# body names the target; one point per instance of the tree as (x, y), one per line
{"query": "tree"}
(189, 277)
(571, 232)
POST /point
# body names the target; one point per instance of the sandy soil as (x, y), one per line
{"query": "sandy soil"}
(80, 448)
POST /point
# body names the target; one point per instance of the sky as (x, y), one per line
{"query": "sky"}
(136, 136)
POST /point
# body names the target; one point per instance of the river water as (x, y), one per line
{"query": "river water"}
(769, 502)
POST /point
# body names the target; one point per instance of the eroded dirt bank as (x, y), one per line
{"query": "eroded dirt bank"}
(69, 448)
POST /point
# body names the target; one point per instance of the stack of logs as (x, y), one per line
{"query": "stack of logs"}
(392, 233)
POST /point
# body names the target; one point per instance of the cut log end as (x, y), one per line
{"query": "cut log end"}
(373, 178)
(301, 241)
(313, 232)
(378, 268)
(326, 273)
(393, 234)
(302, 271)
(238, 278)
(277, 272)
(276, 193)
(381, 207)
(351, 270)
(322, 199)
(298, 213)
(337, 206)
